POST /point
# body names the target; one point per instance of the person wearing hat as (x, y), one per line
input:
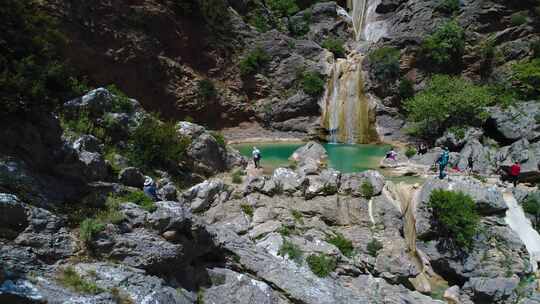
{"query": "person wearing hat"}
(149, 188)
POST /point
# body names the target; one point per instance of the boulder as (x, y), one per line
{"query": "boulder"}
(203, 195)
(95, 103)
(168, 192)
(310, 158)
(290, 182)
(326, 183)
(13, 216)
(514, 123)
(351, 183)
(88, 143)
(456, 139)
(169, 216)
(232, 287)
(94, 167)
(132, 177)
(492, 290)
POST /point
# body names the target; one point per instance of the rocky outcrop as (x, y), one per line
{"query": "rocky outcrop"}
(514, 123)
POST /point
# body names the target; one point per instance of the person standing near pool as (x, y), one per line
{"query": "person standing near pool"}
(256, 156)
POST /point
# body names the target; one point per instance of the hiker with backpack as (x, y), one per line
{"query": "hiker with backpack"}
(515, 170)
(442, 161)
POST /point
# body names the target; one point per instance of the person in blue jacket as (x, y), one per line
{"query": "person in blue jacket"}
(442, 161)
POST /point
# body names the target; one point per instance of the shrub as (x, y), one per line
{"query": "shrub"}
(406, 88)
(138, 197)
(518, 19)
(120, 103)
(292, 251)
(343, 244)
(33, 77)
(526, 78)
(374, 246)
(443, 50)
(71, 279)
(259, 21)
(156, 144)
(220, 139)
(206, 89)
(410, 152)
(284, 230)
(446, 102)
(247, 209)
(254, 61)
(83, 124)
(455, 217)
(300, 27)
(448, 6)
(321, 264)
(366, 189)
(283, 8)
(313, 83)
(298, 217)
(335, 46)
(215, 13)
(89, 229)
(111, 214)
(385, 63)
(532, 206)
(237, 177)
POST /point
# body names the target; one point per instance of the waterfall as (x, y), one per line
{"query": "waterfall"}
(345, 106)
(521, 225)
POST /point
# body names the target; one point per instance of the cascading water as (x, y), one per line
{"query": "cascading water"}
(345, 106)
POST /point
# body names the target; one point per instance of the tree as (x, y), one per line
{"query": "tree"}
(532, 206)
(446, 102)
(443, 50)
(33, 77)
(385, 63)
(283, 8)
(455, 217)
(526, 78)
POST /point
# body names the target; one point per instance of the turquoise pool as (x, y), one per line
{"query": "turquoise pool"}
(342, 157)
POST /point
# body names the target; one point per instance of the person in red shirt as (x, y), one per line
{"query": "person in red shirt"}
(515, 170)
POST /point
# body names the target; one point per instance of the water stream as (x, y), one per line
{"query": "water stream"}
(522, 226)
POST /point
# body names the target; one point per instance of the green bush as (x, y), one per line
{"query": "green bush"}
(138, 197)
(121, 102)
(259, 21)
(156, 144)
(335, 46)
(343, 244)
(71, 279)
(448, 6)
(215, 13)
(406, 88)
(410, 152)
(446, 102)
(313, 83)
(298, 217)
(455, 217)
(374, 246)
(220, 139)
(247, 209)
(518, 18)
(83, 124)
(443, 50)
(89, 229)
(531, 205)
(300, 27)
(292, 251)
(206, 89)
(237, 177)
(385, 63)
(283, 8)
(254, 61)
(535, 48)
(33, 75)
(367, 190)
(526, 78)
(321, 265)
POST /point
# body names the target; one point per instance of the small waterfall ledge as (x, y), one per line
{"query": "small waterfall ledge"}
(522, 226)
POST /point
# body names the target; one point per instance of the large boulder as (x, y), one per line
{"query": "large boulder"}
(455, 139)
(326, 183)
(203, 195)
(170, 215)
(352, 183)
(290, 182)
(132, 177)
(310, 158)
(515, 122)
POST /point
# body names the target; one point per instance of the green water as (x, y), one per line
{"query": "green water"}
(342, 157)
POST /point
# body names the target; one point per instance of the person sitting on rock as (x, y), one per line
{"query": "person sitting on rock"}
(149, 188)
(256, 156)
(422, 149)
(391, 154)
(515, 170)
(442, 161)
